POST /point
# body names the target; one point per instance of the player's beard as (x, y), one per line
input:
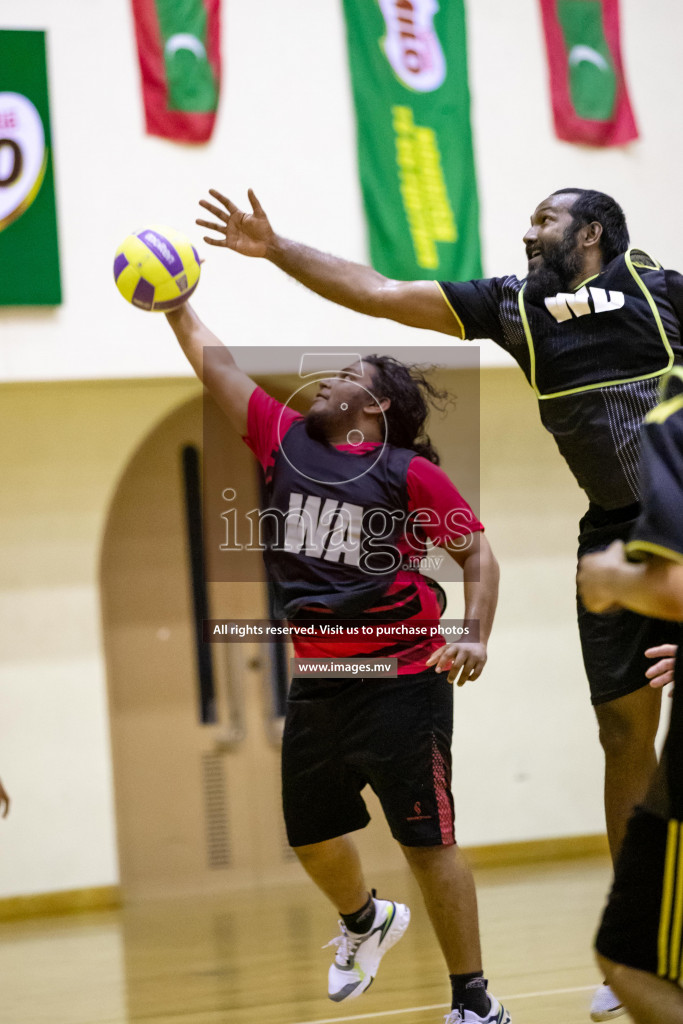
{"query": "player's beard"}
(562, 264)
(317, 426)
(330, 420)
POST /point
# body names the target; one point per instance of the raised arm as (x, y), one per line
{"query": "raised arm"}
(465, 660)
(229, 386)
(358, 287)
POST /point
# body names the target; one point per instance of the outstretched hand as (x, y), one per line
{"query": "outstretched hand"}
(247, 233)
(462, 661)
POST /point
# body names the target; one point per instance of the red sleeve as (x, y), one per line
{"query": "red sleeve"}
(267, 423)
(438, 507)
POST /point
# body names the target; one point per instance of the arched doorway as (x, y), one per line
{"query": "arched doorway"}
(195, 726)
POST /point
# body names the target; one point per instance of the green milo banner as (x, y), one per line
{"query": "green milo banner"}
(29, 253)
(408, 61)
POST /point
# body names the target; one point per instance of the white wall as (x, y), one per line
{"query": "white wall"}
(285, 127)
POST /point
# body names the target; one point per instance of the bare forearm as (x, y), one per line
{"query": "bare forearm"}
(363, 289)
(214, 365)
(653, 588)
(481, 578)
(194, 336)
(342, 281)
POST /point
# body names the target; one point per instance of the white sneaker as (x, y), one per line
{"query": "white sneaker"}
(497, 1015)
(606, 1004)
(358, 956)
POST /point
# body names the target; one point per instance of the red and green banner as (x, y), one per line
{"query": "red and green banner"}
(180, 63)
(408, 61)
(587, 84)
(29, 252)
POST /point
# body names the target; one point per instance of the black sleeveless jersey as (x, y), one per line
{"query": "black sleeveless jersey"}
(659, 531)
(332, 521)
(659, 528)
(594, 358)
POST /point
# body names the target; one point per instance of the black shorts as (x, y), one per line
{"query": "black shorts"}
(391, 734)
(641, 924)
(614, 645)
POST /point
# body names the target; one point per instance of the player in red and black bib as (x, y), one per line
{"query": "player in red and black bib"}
(353, 494)
(594, 326)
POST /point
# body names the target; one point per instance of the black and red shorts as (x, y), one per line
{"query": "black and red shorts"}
(391, 734)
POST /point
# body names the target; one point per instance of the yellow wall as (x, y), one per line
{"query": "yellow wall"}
(63, 448)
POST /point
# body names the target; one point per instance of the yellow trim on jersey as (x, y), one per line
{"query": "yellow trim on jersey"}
(591, 278)
(661, 412)
(677, 911)
(647, 266)
(652, 304)
(647, 547)
(529, 341)
(460, 323)
(676, 371)
(665, 910)
(608, 383)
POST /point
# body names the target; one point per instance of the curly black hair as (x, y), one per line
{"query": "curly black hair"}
(411, 394)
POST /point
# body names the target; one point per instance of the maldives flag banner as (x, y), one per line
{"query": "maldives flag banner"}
(178, 45)
(587, 84)
(408, 61)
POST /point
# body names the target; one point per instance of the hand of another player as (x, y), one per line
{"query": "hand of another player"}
(595, 575)
(462, 661)
(247, 233)
(662, 672)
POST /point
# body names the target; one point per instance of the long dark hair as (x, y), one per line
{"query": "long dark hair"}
(589, 206)
(411, 394)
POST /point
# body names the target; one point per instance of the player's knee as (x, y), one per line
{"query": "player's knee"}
(311, 853)
(425, 858)
(625, 731)
(606, 966)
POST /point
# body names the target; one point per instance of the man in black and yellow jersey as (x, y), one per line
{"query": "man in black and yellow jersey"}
(594, 326)
(640, 941)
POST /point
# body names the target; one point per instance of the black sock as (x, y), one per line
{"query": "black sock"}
(361, 921)
(469, 991)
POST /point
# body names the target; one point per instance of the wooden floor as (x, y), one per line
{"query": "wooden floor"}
(256, 958)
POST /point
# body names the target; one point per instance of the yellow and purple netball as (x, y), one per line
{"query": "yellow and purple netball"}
(157, 268)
